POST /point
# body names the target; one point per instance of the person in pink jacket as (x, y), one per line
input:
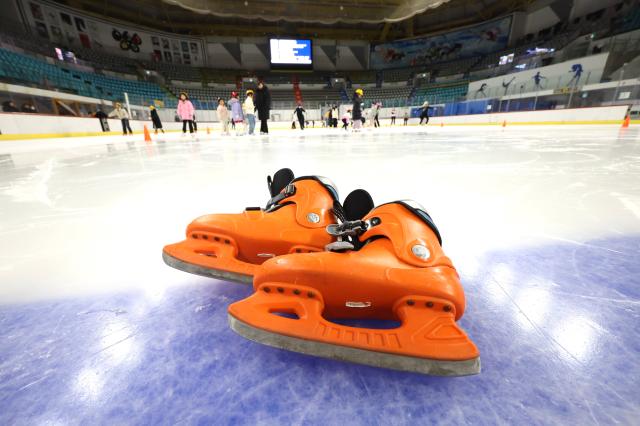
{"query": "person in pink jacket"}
(185, 112)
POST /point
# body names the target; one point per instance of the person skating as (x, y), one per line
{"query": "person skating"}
(185, 111)
(356, 110)
(376, 114)
(123, 115)
(102, 117)
(406, 118)
(237, 115)
(345, 119)
(370, 115)
(393, 117)
(155, 119)
(424, 115)
(195, 123)
(223, 116)
(299, 112)
(28, 108)
(263, 106)
(249, 111)
(334, 116)
(9, 106)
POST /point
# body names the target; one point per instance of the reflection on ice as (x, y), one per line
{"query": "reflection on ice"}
(576, 336)
(88, 384)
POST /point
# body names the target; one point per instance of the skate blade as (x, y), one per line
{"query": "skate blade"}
(204, 271)
(358, 356)
(289, 316)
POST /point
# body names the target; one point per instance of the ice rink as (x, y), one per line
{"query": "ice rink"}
(542, 222)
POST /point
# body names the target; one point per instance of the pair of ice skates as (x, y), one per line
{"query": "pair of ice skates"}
(316, 263)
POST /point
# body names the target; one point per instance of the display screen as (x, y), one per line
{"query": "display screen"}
(506, 59)
(290, 53)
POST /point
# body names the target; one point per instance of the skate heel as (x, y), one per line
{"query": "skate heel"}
(209, 256)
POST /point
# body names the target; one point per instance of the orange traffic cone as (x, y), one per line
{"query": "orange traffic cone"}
(504, 123)
(147, 135)
(626, 121)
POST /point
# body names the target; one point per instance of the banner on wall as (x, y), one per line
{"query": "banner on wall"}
(69, 28)
(472, 41)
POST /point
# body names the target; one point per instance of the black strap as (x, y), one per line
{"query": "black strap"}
(269, 183)
(287, 192)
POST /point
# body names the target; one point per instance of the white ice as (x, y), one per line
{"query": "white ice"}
(91, 215)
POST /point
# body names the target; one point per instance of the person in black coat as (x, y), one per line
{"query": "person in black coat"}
(356, 111)
(262, 101)
(102, 117)
(424, 114)
(300, 115)
(155, 118)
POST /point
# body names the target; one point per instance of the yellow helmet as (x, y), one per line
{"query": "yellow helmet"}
(249, 92)
(359, 92)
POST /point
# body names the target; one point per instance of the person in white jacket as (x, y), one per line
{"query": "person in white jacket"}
(223, 116)
(123, 115)
(250, 111)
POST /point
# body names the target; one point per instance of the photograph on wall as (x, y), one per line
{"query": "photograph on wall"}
(478, 40)
(41, 28)
(155, 41)
(85, 41)
(167, 56)
(52, 16)
(165, 43)
(175, 45)
(185, 46)
(80, 25)
(66, 18)
(36, 11)
(194, 47)
(71, 37)
(156, 55)
(56, 33)
(177, 58)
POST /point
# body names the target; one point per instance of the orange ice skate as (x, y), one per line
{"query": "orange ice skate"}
(231, 246)
(388, 266)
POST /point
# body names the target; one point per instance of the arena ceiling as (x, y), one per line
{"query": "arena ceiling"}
(339, 19)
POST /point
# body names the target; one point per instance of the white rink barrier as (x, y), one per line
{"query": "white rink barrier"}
(58, 126)
(594, 115)
(22, 125)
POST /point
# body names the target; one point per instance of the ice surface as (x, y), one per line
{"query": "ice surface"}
(543, 224)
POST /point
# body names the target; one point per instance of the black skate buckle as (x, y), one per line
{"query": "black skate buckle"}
(351, 228)
(287, 192)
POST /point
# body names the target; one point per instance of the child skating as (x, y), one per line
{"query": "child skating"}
(223, 116)
(185, 111)
(346, 117)
(250, 111)
(237, 116)
(155, 119)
